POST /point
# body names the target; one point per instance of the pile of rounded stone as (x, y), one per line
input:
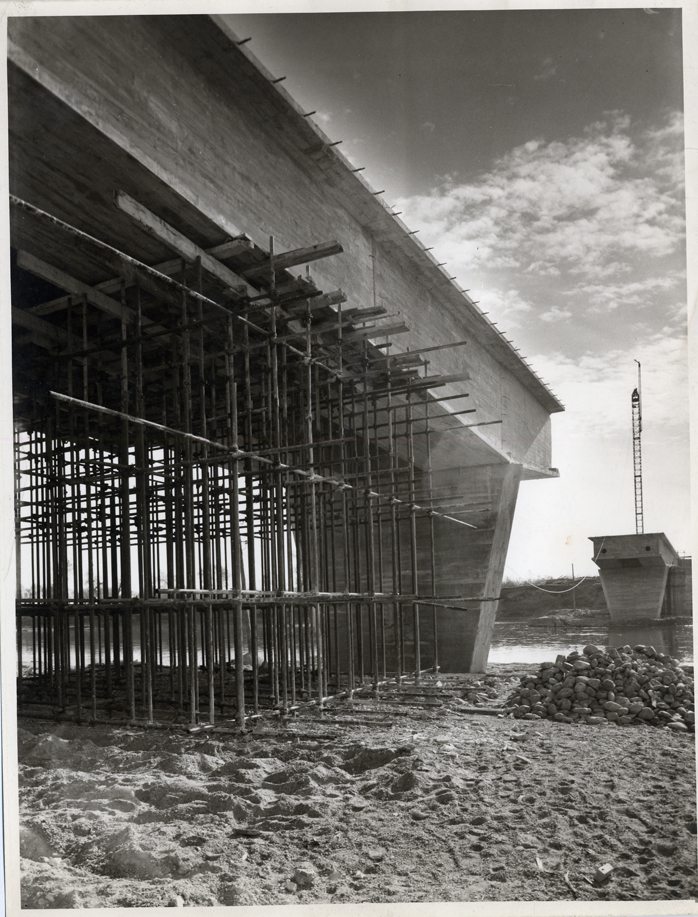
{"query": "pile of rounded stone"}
(623, 685)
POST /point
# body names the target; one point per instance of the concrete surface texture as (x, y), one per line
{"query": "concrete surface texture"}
(634, 572)
(160, 141)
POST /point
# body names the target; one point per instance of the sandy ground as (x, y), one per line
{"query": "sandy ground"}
(411, 798)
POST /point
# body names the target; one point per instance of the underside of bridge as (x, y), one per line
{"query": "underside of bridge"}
(243, 480)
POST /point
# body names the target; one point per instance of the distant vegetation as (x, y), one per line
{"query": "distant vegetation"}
(521, 600)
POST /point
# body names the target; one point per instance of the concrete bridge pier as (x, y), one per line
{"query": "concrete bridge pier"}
(634, 570)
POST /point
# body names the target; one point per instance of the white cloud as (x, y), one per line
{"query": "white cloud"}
(601, 298)
(544, 268)
(555, 315)
(592, 447)
(585, 206)
(596, 387)
(577, 247)
(507, 305)
(665, 143)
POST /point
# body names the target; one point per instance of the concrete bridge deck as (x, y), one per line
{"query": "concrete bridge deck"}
(167, 198)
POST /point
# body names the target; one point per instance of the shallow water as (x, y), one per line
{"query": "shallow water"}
(517, 642)
(512, 641)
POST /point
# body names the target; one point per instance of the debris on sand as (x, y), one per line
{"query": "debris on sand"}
(427, 805)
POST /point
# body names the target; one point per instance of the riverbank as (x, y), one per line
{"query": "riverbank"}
(526, 643)
(409, 798)
(580, 599)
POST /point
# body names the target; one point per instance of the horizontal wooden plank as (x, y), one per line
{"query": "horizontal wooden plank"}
(296, 256)
(42, 328)
(169, 268)
(183, 246)
(454, 377)
(356, 315)
(333, 298)
(94, 296)
(231, 249)
(70, 284)
(376, 331)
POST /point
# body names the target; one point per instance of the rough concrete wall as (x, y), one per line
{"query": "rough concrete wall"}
(178, 97)
(634, 593)
(650, 548)
(678, 595)
(467, 562)
(172, 91)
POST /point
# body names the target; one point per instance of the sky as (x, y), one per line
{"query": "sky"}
(541, 153)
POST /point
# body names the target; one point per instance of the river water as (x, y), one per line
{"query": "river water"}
(517, 642)
(512, 642)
